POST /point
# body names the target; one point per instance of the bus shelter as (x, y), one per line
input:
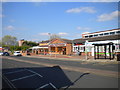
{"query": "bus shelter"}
(103, 51)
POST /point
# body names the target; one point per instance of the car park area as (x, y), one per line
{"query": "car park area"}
(23, 74)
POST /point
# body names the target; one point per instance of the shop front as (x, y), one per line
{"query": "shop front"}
(59, 46)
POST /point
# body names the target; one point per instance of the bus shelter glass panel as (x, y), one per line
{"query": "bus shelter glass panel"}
(103, 51)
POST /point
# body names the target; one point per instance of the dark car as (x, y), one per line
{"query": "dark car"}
(6, 54)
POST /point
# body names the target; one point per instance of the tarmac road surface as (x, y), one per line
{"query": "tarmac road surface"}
(22, 74)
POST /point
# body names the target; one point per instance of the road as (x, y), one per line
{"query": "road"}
(66, 74)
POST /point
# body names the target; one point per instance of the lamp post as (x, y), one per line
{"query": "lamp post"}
(49, 39)
(86, 42)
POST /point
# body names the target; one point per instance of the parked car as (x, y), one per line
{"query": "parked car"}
(1, 53)
(17, 53)
(6, 54)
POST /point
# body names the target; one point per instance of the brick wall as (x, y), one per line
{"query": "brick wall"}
(68, 49)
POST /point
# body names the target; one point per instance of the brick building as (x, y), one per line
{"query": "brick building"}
(20, 42)
(60, 46)
(55, 46)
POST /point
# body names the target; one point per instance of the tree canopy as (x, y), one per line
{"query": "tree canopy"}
(9, 40)
(54, 36)
(29, 43)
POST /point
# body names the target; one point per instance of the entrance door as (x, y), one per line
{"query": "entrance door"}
(64, 51)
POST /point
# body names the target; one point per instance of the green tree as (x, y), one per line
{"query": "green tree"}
(29, 43)
(24, 48)
(54, 36)
(9, 40)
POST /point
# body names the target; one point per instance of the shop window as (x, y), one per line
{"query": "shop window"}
(59, 49)
(101, 34)
(90, 35)
(78, 48)
(52, 49)
(118, 32)
(95, 35)
(46, 50)
(117, 47)
(84, 49)
(112, 33)
(86, 36)
(106, 33)
(41, 50)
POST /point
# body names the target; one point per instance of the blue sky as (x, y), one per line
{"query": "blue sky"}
(34, 20)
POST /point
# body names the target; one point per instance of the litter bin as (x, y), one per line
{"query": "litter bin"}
(118, 57)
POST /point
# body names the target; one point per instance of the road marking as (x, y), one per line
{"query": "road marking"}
(8, 82)
(42, 87)
(14, 71)
(73, 68)
(23, 77)
(46, 86)
(34, 72)
(53, 86)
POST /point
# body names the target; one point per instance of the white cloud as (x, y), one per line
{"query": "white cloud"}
(83, 28)
(10, 28)
(85, 32)
(108, 17)
(62, 33)
(81, 9)
(44, 34)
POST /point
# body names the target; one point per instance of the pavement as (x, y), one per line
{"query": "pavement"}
(76, 58)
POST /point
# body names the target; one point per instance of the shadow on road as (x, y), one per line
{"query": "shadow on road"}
(36, 78)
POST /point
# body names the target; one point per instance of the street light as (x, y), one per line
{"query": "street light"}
(49, 39)
(86, 43)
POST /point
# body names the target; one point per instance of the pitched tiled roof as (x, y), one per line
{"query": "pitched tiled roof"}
(64, 40)
(67, 40)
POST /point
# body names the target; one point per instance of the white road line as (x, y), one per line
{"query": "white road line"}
(15, 71)
(8, 82)
(74, 68)
(53, 86)
(42, 86)
(34, 72)
(23, 77)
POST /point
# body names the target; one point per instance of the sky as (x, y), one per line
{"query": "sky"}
(33, 21)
